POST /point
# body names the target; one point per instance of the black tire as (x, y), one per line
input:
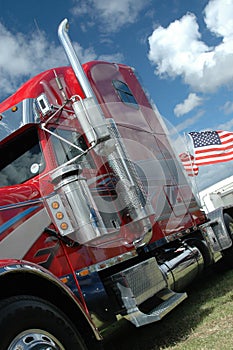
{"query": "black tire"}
(229, 224)
(202, 247)
(228, 253)
(37, 324)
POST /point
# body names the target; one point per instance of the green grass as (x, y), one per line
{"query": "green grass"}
(208, 315)
(203, 321)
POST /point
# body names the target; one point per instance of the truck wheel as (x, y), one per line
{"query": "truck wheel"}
(228, 253)
(30, 323)
(229, 224)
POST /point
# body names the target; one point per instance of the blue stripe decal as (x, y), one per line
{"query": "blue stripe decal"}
(20, 204)
(16, 218)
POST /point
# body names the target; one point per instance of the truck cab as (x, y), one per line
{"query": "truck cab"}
(94, 205)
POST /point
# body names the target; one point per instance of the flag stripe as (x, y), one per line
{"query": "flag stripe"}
(214, 154)
(217, 149)
(212, 161)
(188, 163)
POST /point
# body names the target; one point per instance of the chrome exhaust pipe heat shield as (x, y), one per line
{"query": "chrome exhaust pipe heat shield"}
(132, 198)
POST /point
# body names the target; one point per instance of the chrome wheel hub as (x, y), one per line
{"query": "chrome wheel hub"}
(35, 339)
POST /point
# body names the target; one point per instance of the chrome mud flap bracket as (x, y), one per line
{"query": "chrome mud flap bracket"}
(140, 283)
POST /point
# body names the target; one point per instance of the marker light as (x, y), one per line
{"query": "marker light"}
(55, 205)
(59, 215)
(14, 108)
(84, 272)
(64, 226)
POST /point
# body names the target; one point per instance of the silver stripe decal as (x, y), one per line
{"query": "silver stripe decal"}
(19, 241)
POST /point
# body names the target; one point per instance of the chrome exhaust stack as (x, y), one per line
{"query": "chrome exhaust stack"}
(87, 110)
(73, 58)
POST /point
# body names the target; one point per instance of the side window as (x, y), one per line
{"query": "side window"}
(21, 158)
(125, 93)
(64, 152)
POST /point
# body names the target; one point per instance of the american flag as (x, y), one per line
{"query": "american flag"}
(212, 147)
(189, 164)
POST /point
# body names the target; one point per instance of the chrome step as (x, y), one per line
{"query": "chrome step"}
(169, 300)
(139, 283)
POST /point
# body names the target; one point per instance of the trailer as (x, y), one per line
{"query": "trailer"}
(217, 195)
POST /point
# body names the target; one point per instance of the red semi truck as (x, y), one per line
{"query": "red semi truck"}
(97, 219)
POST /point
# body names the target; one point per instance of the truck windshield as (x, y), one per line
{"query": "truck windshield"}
(21, 158)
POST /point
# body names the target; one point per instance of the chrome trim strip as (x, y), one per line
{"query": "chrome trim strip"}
(109, 262)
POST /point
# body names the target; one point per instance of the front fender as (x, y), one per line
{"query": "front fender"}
(18, 277)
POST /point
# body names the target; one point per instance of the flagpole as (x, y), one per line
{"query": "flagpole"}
(187, 138)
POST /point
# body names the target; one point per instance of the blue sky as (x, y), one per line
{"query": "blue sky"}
(182, 50)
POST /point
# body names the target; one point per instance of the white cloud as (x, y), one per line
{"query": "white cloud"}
(111, 15)
(210, 174)
(23, 56)
(191, 102)
(179, 51)
(228, 126)
(218, 17)
(187, 123)
(228, 107)
(118, 57)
